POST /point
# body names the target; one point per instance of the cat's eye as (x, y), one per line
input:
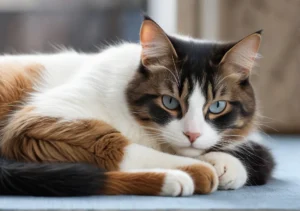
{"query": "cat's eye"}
(170, 102)
(217, 107)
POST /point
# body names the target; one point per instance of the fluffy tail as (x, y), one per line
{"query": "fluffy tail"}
(36, 179)
(71, 179)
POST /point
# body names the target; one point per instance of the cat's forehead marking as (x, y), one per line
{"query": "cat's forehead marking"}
(209, 92)
(184, 95)
(185, 89)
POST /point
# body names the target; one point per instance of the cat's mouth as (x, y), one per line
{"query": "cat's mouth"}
(199, 145)
(195, 148)
(189, 151)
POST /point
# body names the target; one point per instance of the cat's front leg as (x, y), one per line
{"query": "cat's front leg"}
(231, 171)
(203, 176)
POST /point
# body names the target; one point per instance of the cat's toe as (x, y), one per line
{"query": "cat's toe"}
(231, 172)
(205, 177)
(234, 177)
(177, 183)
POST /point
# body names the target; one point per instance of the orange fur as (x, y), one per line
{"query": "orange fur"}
(35, 138)
(16, 81)
(139, 183)
(203, 177)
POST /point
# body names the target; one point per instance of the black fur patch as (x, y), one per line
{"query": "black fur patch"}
(158, 114)
(258, 161)
(56, 179)
(226, 121)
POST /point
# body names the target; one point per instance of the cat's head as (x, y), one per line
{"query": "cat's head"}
(193, 94)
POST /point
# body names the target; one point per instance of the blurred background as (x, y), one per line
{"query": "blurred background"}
(85, 25)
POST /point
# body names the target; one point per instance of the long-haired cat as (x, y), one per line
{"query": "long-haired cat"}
(168, 116)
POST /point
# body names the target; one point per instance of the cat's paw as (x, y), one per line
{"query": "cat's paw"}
(205, 177)
(177, 183)
(231, 172)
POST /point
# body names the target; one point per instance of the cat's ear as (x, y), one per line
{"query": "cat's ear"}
(156, 45)
(243, 54)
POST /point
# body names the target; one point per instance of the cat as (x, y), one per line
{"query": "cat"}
(169, 116)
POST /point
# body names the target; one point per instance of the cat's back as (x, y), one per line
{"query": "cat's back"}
(42, 74)
(53, 69)
(20, 74)
(58, 68)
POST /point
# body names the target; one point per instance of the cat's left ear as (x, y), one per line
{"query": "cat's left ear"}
(243, 54)
(156, 46)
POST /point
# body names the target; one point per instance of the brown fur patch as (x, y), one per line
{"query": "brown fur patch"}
(161, 80)
(203, 177)
(133, 183)
(235, 92)
(36, 138)
(209, 97)
(16, 81)
(184, 96)
(238, 134)
(140, 86)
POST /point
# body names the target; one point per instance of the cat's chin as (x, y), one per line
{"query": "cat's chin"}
(188, 151)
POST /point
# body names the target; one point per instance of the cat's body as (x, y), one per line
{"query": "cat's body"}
(97, 83)
(105, 109)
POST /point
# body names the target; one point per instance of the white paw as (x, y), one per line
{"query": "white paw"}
(177, 183)
(232, 173)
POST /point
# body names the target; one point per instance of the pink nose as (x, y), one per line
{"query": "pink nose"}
(192, 136)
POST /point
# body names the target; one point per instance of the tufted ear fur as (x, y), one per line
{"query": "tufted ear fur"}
(156, 46)
(243, 54)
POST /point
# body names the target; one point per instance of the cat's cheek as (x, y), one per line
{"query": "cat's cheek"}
(173, 134)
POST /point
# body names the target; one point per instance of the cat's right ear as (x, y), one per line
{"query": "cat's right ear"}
(243, 55)
(156, 46)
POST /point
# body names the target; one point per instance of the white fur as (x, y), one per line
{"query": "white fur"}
(82, 86)
(141, 157)
(77, 85)
(232, 173)
(176, 182)
(92, 86)
(59, 67)
(193, 121)
(148, 160)
(93, 89)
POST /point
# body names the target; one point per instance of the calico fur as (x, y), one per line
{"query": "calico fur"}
(16, 82)
(106, 110)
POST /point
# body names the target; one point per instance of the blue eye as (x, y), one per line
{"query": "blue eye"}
(217, 107)
(170, 102)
